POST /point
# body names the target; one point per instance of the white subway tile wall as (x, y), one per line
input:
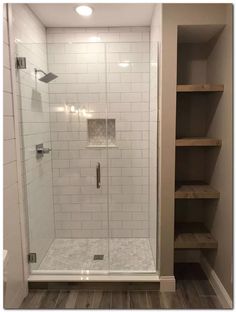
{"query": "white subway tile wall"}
(106, 79)
(33, 103)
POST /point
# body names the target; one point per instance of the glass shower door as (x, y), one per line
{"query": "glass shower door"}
(130, 233)
(78, 111)
(33, 104)
(66, 189)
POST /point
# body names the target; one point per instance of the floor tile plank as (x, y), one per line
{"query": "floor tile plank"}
(49, 300)
(101, 300)
(139, 300)
(62, 299)
(210, 302)
(93, 300)
(71, 300)
(120, 300)
(204, 287)
(189, 293)
(84, 299)
(171, 300)
(33, 299)
(193, 291)
(155, 300)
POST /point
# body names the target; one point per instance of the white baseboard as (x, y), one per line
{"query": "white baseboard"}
(218, 287)
(167, 283)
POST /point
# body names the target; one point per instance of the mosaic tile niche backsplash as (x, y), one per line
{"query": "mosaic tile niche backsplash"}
(101, 132)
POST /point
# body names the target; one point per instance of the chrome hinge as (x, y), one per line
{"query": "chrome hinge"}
(21, 62)
(32, 258)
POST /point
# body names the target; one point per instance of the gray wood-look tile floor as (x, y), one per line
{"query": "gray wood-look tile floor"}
(193, 291)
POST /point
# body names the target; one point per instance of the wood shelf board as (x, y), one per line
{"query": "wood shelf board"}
(195, 141)
(193, 236)
(195, 190)
(200, 88)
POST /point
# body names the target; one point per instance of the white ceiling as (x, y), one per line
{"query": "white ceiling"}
(104, 15)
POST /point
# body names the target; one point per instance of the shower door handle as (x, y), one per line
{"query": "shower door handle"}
(98, 172)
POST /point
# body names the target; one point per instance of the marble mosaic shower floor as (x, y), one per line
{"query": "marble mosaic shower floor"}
(126, 254)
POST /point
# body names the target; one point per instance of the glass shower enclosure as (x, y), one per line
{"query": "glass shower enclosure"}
(89, 157)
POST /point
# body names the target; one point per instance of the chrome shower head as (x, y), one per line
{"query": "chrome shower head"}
(47, 77)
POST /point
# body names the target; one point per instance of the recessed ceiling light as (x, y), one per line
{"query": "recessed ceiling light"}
(84, 10)
(124, 64)
(94, 39)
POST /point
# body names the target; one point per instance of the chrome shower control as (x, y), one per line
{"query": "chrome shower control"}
(40, 150)
(46, 150)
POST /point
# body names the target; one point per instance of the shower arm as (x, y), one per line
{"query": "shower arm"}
(39, 71)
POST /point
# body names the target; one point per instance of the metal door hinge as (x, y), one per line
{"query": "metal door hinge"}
(32, 258)
(21, 62)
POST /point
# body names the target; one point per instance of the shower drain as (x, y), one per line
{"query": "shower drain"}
(98, 257)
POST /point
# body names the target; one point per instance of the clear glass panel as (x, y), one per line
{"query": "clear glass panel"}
(68, 219)
(99, 117)
(128, 76)
(33, 103)
(153, 148)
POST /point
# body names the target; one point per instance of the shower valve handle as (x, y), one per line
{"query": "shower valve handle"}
(98, 172)
(46, 150)
(40, 150)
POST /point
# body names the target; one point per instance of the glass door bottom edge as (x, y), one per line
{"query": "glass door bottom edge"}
(90, 272)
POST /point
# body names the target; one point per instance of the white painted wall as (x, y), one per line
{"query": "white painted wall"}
(33, 103)
(80, 208)
(220, 216)
(15, 290)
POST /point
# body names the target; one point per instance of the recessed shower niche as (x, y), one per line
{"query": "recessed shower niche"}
(101, 132)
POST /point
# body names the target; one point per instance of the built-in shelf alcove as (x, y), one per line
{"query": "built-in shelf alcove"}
(198, 94)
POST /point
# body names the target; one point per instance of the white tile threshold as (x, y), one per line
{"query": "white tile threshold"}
(95, 278)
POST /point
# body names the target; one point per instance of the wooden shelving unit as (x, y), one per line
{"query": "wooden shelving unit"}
(200, 88)
(188, 142)
(195, 190)
(196, 152)
(193, 236)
